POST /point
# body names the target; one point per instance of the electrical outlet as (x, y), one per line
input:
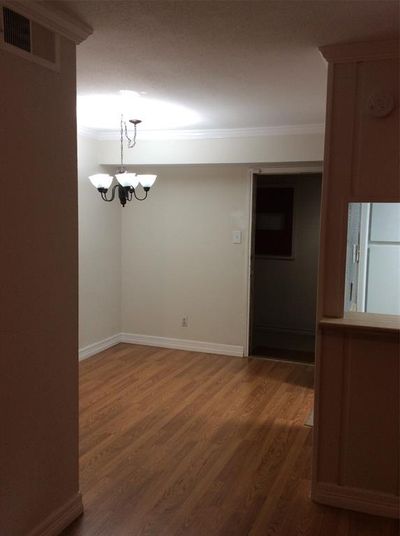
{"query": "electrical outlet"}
(185, 321)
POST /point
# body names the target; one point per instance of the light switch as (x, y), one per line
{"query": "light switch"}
(236, 237)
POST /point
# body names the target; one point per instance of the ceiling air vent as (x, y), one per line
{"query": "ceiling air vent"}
(17, 29)
(29, 39)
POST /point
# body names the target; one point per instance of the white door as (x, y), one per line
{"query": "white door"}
(379, 288)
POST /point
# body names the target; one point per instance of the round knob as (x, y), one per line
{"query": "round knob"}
(380, 104)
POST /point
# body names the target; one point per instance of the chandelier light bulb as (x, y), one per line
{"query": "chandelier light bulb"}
(147, 181)
(127, 179)
(101, 180)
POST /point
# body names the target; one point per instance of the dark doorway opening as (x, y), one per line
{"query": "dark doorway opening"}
(284, 265)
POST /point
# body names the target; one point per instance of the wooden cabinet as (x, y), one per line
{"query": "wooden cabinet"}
(356, 445)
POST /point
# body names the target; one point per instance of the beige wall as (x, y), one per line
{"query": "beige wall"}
(300, 147)
(38, 292)
(178, 258)
(99, 254)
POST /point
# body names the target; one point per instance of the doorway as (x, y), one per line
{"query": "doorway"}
(284, 265)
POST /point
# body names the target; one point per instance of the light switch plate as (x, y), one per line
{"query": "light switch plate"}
(236, 237)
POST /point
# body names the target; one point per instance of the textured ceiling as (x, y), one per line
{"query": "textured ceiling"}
(239, 64)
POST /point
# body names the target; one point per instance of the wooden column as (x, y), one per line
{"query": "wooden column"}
(356, 446)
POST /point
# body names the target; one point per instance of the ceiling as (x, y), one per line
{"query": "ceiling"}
(234, 64)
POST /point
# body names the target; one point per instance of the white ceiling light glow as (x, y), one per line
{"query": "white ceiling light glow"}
(102, 112)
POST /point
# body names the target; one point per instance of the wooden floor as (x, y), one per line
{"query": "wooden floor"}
(181, 443)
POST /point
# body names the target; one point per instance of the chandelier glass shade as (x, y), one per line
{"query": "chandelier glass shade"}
(126, 182)
(126, 179)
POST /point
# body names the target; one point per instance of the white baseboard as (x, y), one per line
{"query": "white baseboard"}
(162, 342)
(96, 347)
(183, 344)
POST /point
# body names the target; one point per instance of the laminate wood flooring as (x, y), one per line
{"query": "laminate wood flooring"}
(180, 443)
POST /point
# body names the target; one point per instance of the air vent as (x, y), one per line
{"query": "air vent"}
(29, 39)
(17, 29)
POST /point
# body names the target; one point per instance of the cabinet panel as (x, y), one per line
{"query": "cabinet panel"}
(358, 410)
(376, 136)
(331, 386)
(370, 426)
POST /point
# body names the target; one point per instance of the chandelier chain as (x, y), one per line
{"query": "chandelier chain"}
(131, 141)
(122, 142)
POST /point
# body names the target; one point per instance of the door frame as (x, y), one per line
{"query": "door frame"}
(363, 256)
(285, 168)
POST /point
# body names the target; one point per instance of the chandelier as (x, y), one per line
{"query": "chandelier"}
(127, 182)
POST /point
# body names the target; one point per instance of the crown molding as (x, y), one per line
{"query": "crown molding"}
(206, 134)
(353, 52)
(86, 132)
(52, 18)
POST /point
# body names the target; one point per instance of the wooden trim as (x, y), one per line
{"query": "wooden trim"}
(53, 19)
(337, 158)
(59, 519)
(285, 329)
(344, 425)
(324, 194)
(363, 256)
(360, 500)
(363, 321)
(290, 168)
(353, 52)
(251, 191)
(316, 409)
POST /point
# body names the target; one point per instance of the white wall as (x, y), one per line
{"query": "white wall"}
(178, 258)
(99, 254)
(285, 290)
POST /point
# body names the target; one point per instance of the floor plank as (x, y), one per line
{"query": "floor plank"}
(182, 443)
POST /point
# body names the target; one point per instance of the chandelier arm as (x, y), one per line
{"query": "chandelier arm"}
(140, 198)
(104, 194)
